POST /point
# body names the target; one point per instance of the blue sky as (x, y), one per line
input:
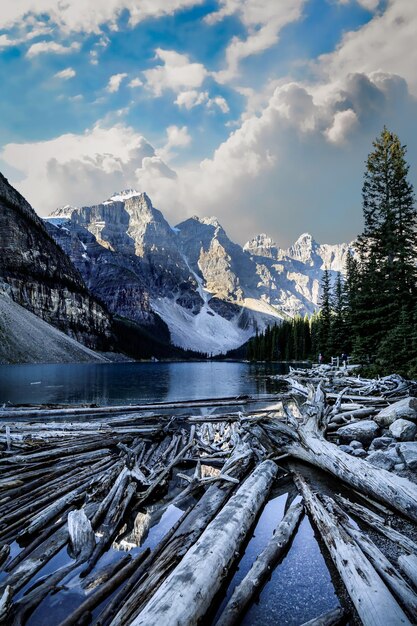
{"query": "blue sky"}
(258, 111)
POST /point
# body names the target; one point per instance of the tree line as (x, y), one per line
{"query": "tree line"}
(371, 312)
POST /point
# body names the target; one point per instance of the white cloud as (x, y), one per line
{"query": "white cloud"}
(387, 42)
(263, 19)
(220, 102)
(88, 15)
(343, 123)
(192, 98)
(6, 42)
(115, 81)
(69, 72)
(273, 172)
(270, 174)
(135, 82)
(370, 5)
(78, 169)
(42, 47)
(176, 137)
(176, 73)
(36, 29)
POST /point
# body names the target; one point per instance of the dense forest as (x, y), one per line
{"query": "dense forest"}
(371, 312)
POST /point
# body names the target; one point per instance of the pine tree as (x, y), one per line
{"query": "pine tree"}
(351, 294)
(325, 317)
(338, 336)
(386, 246)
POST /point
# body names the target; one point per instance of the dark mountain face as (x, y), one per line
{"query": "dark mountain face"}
(42, 278)
(127, 254)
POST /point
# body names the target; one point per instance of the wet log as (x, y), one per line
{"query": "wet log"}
(119, 598)
(250, 586)
(206, 564)
(372, 599)
(81, 535)
(24, 607)
(408, 564)
(104, 574)
(82, 613)
(335, 617)
(24, 570)
(6, 604)
(305, 441)
(137, 591)
(382, 565)
(129, 408)
(111, 525)
(375, 521)
(4, 554)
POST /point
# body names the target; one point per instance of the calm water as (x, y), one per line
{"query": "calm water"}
(300, 587)
(130, 383)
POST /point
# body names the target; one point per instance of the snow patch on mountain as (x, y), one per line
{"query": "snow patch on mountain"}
(206, 332)
(121, 196)
(212, 293)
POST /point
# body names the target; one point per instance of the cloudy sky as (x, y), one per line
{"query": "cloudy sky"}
(260, 112)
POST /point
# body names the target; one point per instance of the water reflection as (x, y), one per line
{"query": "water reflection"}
(129, 383)
(300, 587)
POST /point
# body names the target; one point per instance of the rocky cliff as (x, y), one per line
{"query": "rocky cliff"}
(290, 279)
(212, 293)
(41, 277)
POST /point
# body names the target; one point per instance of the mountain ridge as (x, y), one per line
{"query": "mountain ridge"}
(211, 292)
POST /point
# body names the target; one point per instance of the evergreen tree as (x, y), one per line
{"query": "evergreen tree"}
(338, 338)
(387, 244)
(351, 289)
(325, 317)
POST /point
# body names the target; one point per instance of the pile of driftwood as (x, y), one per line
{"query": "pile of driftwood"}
(78, 485)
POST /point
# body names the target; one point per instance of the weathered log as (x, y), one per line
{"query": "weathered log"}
(408, 564)
(373, 601)
(385, 569)
(169, 552)
(103, 591)
(262, 567)
(206, 564)
(335, 617)
(122, 477)
(111, 525)
(130, 408)
(6, 604)
(4, 554)
(375, 521)
(81, 535)
(305, 441)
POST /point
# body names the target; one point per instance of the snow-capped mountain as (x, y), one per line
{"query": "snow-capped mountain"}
(212, 293)
(290, 279)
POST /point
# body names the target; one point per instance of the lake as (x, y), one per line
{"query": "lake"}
(133, 383)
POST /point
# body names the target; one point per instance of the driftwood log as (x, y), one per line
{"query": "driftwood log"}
(304, 439)
(262, 567)
(187, 593)
(79, 485)
(372, 599)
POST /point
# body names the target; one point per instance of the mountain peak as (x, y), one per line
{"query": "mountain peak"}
(63, 212)
(305, 238)
(210, 221)
(123, 195)
(261, 245)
